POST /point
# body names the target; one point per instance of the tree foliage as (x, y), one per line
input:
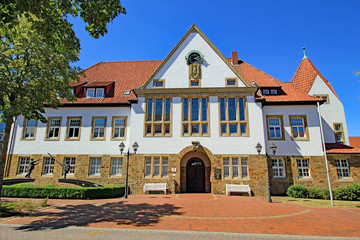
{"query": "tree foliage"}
(37, 49)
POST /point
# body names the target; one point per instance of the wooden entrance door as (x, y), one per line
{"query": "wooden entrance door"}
(195, 175)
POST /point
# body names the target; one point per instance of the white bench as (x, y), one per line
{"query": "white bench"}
(238, 188)
(155, 187)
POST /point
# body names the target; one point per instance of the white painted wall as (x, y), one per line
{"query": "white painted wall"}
(331, 113)
(213, 70)
(289, 147)
(85, 145)
(215, 143)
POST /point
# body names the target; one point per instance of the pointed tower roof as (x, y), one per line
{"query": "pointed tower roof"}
(305, 76)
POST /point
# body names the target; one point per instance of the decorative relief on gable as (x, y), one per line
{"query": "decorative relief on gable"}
(195, 71)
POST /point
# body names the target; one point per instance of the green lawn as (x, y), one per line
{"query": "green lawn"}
(317, 202)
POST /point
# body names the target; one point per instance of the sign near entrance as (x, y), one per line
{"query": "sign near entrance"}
(173, 169)
(217, 174)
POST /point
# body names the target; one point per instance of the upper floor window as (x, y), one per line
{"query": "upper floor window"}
(231, 82)
(29, 129)
(272, 91)
(195, 119)
(233, 119)
(53, 128)
(118, 128)
(299, 129)
(158, 117)
(98, 128)
(275, 127)
(325, 97)
(95, 92)
(339, 132)
(159, 83)
(73, 128)
(342, 168)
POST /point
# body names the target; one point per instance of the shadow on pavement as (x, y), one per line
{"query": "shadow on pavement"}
(81, 215)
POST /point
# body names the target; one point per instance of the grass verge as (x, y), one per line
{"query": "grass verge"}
(317, 202)
(11, 208)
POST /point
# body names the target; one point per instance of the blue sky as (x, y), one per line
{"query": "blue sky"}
(267, 34)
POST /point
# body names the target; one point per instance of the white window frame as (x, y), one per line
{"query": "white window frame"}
(297, 127)
(72, 161)
(274, 127)
(342, 168)
(99, 93)
(23, 167)
(118, 128)
(51, 128)
(156, 162)
(97, 130)
(116, 166)
(278, 167)
(69, 127)
(238, 163)
(303, 170)
(29, 131)
(95, 166)
(90, 90)
(48, 166)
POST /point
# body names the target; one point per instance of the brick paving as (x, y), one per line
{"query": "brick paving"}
(191, 212)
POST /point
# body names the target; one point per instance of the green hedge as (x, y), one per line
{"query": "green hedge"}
(61, 192)
(350, 192)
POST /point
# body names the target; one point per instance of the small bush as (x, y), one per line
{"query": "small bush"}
(315, 193)
(351, 192)
(57, 192)
(44, 202)
(297, 191)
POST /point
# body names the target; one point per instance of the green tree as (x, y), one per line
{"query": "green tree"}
(37, 49)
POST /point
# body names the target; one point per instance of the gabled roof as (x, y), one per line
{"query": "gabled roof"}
(305, 76)
(355, 141)
(195, 29)
(126, 75)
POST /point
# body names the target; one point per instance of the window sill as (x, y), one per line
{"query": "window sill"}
(52, 139)
(306, 179)
(280, 178)
(27, 139)
(346, 179)
(116, 176)
(47, 175)
(155, 177)
(94, 176)
(97, 139)
(72, 139)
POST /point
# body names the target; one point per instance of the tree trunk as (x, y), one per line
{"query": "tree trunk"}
(4, 148)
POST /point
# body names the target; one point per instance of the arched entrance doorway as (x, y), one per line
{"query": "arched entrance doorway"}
(195, 175)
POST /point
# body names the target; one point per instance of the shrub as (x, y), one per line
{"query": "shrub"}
(351, 192)
(315, 193)
(297, 191)
(58, 192)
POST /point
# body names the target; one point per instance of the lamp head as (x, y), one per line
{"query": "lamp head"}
(135, 146)
(273, 148)
(122, 147)
(258, 148)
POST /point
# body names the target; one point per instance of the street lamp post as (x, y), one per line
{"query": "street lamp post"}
(273, 148)
(122, 147)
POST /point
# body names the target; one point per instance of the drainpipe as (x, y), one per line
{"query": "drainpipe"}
(324, 151)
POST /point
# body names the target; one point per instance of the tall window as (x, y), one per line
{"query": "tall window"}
(73, 128)
(53, 128)
(233, 120)
(71, 162)
(158, 117)
(29, 129)
(275, 127)
(156, 166)
(98, 128)
(339, 132)
(299, 129)
(342, 168)
(278, 167)
(95, 166)
(232, 168)
(303, 167)
(116, 166)
(23, 165)
(48, 167)
(118, 128)
(195, 119)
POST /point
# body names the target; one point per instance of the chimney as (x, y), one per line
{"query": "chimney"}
(234, 58)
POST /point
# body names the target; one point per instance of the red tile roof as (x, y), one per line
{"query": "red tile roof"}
(337, 148)
(355, 141)
(126, 75)
(305, 76)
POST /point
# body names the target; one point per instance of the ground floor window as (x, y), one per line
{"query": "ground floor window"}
(48, 167)
(116, 166)
(232, 168)
(71, 162)
(95, 166)
(342, 168)
(23, 165)
(278, 168)
(156, 166)
(303, 167)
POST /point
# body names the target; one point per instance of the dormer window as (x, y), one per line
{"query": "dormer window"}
(127, 92)
(270, 91)
(273, 91)
(265, 92)
(95, 93)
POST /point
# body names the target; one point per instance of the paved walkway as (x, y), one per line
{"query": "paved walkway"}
(188, 213)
